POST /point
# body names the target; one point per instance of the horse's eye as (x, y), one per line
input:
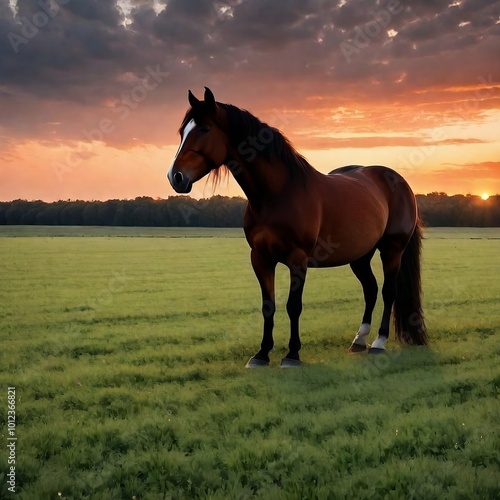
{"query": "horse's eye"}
(203, 129)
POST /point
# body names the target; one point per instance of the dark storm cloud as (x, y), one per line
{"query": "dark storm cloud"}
(40, 48)
(351, 14)
(272, 24)
(249, 50)
(185, 23)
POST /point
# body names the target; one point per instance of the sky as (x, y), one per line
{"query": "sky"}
(92, 92)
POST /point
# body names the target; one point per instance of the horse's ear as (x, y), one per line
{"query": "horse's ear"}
(210, 100)
(192, 99)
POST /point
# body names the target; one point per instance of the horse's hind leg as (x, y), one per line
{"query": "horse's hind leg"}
(391, 251)
(363, 271)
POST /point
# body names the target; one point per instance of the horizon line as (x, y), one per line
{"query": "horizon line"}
(70, 200)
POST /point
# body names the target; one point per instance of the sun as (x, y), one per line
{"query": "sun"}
(485, 196)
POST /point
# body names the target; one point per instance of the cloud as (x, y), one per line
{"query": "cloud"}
(76, 67)
(479, 177)
(458, 178)
(363, 142)
(486, 170)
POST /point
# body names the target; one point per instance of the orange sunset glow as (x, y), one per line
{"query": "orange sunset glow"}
(92, 93)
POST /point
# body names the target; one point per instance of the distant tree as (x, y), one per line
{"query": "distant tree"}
(106, 213)
(90, 214)
(140, 215)
(15, 212)
(436, 209)
(161, 213)
(124, 213)
(3, 209)
(48, 215)
(184, 211)
(71, 214)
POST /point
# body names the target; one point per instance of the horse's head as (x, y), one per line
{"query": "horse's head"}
(203, 144)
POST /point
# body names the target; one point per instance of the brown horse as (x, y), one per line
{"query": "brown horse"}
(303, 218)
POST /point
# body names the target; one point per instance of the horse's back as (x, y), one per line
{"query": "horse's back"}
(374, 172)
(346, 169)
(393, 188)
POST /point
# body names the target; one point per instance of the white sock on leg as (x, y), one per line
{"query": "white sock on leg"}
(379, 343)
(363, 332)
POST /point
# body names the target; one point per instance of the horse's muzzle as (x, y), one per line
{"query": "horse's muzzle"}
(179, 181)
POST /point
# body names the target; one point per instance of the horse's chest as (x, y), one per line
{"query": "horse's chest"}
(266, 241)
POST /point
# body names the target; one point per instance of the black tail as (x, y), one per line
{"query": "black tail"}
(408, 316)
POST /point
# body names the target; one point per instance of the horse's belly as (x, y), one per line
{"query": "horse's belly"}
(331, 252)
(342, 244)
(354, 218)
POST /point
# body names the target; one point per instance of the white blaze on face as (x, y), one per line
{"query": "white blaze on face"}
(187, 129)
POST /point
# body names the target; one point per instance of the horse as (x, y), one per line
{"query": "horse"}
(303, 218)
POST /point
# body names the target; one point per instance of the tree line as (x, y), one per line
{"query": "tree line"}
(436, 209)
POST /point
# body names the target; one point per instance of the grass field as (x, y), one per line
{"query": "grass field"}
(127, 356)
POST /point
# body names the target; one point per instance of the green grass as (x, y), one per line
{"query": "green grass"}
(128, 358)
(137, 232)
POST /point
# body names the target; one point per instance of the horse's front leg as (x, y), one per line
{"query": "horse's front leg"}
(265, 271)
(298, 270)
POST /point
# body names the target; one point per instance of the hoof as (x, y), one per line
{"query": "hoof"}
(256, 363)
(290, 363)
(376, 350)
(356, 348)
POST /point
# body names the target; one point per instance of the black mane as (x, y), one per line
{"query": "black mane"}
(243, 125)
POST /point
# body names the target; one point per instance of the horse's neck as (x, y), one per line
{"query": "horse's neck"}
(260, 178)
